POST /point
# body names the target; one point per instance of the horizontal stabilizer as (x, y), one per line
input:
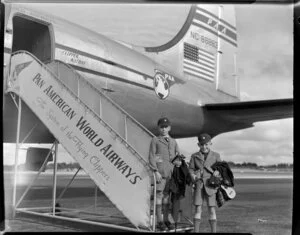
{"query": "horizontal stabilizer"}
(236, 116)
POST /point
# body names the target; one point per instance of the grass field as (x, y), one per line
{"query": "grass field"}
(262, 206)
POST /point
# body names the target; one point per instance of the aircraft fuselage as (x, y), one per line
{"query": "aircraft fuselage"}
(122, 72)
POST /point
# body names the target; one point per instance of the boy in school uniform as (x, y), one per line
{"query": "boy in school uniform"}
(201, 171)
(163, 150)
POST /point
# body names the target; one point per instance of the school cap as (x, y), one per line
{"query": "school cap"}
(204, 138)
(163, 122)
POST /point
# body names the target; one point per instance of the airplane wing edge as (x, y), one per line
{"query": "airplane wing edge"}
(242, 115)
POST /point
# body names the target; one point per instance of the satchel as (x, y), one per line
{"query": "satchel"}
(214, 181)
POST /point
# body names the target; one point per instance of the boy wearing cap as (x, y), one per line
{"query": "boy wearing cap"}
(163, 150)
(200, 170)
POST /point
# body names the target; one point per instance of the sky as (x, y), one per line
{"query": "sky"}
(265, 66)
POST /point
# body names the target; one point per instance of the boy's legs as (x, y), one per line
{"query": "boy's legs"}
(175, 210)
(197, 218)
(212, 213)
(159, 198)
(159, 204)
(213, 219)
(166, 207)
(198, 201)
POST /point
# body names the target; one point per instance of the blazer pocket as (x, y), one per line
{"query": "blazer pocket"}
(160, 167)
(159, 163)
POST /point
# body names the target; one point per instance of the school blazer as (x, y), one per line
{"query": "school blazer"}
(161, 154)
(197, 163)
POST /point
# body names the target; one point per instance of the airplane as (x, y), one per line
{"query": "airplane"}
(192, 79)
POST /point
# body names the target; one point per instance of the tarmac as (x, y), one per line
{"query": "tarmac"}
(262, 207)
(32, 225)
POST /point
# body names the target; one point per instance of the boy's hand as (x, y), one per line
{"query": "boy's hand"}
(158, 177)
(216, 173)
(197, 175)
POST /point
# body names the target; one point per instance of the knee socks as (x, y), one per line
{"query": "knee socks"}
(166, 212)
(197, 225)
(197, 219)
(159, 213)
(213, 225)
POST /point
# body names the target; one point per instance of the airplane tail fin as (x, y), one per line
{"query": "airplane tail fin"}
(204, 49)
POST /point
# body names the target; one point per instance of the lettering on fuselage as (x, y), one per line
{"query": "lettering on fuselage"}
(73, 57)
(204, 40)
(218, 27)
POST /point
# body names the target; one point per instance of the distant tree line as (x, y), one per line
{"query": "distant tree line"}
(63, 165)
(255, 166)
(60, 166)
(75, 165)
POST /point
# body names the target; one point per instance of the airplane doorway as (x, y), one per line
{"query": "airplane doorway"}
(32, 36)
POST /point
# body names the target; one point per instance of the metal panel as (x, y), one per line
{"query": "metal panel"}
(64, 74)
(89, 96)
(138, 140)
(113, 117)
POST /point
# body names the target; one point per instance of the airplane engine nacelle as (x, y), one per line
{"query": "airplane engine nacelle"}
(35, 158)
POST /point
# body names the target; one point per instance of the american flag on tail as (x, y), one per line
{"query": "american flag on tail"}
(198, 62)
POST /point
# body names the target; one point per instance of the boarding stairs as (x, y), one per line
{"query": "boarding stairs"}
(110, 145)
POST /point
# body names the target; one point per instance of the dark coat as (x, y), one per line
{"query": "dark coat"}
(220, 198)
(228, 180)
(226, 173)
(180, 178)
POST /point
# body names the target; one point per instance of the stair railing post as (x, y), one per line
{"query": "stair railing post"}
(125, 126)
(16, 157)
(154, 204)
(100, 106)
(96, 195)
(54, 178)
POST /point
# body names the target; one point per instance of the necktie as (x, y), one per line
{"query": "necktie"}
(167, 139)
(205, 156)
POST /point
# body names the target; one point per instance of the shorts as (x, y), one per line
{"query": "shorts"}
(200, 196)
(163, 188)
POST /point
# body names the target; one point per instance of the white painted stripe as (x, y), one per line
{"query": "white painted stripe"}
(199, 69)
(215, 18)
(200, 72)
(207, 70)
(8, 40)
(201, 60)
(209, 56)
(199, 11)
(212, 28)
(206, 25)
(197, 64)
(198, 75)
(210, 61)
